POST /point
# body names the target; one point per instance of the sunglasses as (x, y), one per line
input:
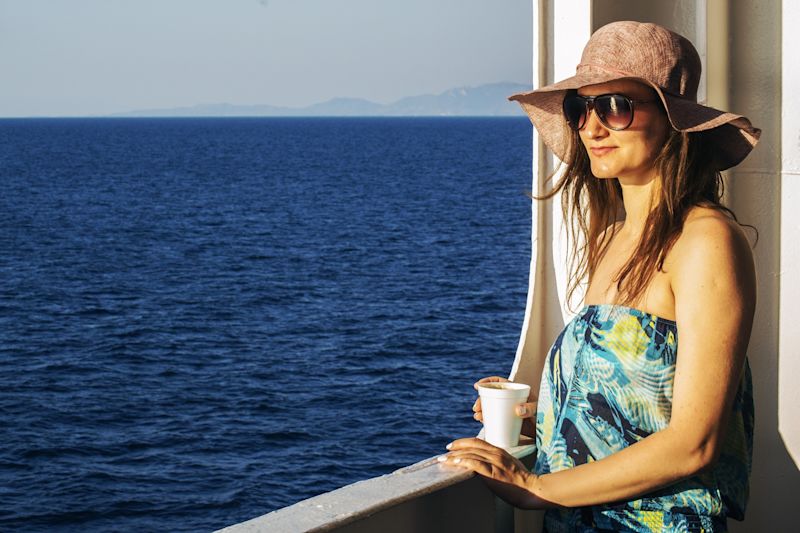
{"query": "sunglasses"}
(615, 111)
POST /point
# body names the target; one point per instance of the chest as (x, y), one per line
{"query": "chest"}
(657, 297)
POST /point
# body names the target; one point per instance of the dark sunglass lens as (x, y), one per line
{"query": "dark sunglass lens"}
(614, 110)
(575, 111)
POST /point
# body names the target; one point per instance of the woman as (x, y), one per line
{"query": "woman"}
(633, 434)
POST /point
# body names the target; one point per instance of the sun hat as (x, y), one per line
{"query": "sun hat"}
(658, 57)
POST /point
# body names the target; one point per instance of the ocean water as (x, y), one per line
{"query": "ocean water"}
(204, 320)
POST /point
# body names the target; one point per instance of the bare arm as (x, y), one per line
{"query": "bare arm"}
(713, 280)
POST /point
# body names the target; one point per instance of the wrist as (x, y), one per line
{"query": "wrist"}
(537, 488)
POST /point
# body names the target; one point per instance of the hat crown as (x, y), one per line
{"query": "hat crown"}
(659, 58)
(647, 51)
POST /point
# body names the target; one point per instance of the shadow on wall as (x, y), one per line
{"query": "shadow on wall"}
(754, 87)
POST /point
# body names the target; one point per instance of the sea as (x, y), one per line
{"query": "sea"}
(203, 320)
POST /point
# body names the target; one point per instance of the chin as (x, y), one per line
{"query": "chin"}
(603, 172)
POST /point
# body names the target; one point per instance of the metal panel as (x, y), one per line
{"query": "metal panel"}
(466, 507)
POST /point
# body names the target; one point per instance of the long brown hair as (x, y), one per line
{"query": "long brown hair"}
(688, 178)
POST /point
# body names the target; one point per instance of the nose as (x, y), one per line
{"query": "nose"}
(594, 129)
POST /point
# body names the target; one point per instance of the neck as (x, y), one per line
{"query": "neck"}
(636, 197)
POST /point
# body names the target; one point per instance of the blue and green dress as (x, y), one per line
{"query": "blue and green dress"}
(607, 384)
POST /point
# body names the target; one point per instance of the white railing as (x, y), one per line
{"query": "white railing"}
(424, 497)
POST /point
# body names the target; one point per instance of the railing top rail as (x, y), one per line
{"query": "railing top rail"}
(364, 498)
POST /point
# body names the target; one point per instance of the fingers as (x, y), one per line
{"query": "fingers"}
(526, 410)
(471, 448)
(488, 460)
(490, 379)
(470, 461)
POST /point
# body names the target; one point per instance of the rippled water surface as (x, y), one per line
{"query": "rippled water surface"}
(203, 320)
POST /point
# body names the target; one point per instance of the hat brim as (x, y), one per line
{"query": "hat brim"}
(733, 136)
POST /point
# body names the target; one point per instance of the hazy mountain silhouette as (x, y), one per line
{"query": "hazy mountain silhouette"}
(484, 100)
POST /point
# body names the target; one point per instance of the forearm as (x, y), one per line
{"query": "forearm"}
(652, 463)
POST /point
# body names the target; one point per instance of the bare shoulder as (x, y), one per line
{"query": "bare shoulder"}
(713, 234)
(713, 249)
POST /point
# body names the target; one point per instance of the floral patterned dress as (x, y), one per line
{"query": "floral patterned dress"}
(607, 384)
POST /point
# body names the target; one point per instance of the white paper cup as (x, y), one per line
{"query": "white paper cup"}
(498, 403)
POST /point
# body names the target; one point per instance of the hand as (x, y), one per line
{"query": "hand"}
(527, 411)
(504, 474)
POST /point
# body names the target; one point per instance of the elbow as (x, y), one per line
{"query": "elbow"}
(694, 454)
(700, 457)
(701, 462)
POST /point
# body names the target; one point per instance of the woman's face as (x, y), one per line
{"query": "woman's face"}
(628, 154)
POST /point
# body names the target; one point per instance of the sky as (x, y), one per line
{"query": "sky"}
(96, 57)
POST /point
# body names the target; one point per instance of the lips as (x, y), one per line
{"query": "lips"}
(600, 151)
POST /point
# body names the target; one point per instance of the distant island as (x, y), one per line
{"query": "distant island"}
(484, 100)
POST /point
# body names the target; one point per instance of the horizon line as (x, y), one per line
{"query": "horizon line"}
(286, 110)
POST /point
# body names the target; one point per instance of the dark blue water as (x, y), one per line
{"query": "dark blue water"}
(203, 320)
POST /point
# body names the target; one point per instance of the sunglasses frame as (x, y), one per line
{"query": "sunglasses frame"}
(589, 105)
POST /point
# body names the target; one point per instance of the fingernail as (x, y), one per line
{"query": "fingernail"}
(442, 458)
(522, 411)
(451, 444)
(458, 459)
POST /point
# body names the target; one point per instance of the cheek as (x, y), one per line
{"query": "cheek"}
(657, 134)
(584, 139)
(656, 143)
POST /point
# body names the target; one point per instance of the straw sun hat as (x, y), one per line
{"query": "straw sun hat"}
(658, 57)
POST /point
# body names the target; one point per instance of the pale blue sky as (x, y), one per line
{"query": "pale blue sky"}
(94, 57)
